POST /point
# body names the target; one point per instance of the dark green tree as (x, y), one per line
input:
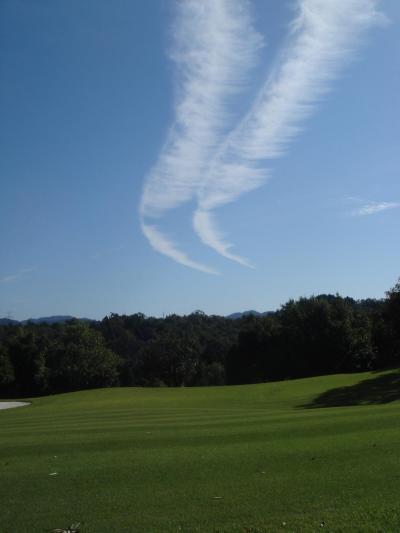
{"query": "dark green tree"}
(79, 359)
(7, 376)
(392, 315)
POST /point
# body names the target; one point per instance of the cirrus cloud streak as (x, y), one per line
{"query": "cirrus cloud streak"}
(371, 208)
(205, 155)
(214, 48)
(323, 38)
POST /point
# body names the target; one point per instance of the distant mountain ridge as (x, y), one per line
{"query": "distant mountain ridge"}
(56, 319)
(60, 319)
(8, 322)
(251, 312)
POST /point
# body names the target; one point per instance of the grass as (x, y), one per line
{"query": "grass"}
(256, 458)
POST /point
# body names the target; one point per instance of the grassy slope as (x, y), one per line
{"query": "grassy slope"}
(152, 460)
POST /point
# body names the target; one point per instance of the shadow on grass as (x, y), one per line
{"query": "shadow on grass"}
(374, 391)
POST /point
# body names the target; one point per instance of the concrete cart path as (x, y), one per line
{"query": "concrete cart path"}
(10, 405)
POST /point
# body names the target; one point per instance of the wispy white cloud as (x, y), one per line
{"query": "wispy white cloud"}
(214, 47)
(162, 244)
(20, 274)
(323, 37)
(10, 278)
(209, 234)
(372, 208)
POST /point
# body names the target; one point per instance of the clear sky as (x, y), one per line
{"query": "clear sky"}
(131, 127)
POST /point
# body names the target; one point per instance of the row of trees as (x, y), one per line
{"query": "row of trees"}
(311, 336)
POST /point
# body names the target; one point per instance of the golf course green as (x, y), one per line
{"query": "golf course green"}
(305, 455)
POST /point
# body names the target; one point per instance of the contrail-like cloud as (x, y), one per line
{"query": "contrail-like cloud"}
(162, 244)
(204, 225)
(214, 47)
(323, 37)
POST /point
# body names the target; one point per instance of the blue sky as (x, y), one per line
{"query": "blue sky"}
(93, 101)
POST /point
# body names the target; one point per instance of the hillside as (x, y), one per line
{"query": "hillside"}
(228, 459)
(55, 319)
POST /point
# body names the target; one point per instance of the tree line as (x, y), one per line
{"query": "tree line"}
(307, 337)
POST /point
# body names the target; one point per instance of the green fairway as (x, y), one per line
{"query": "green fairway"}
(252, 458)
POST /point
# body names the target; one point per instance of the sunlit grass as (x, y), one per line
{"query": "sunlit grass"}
(227, 459)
